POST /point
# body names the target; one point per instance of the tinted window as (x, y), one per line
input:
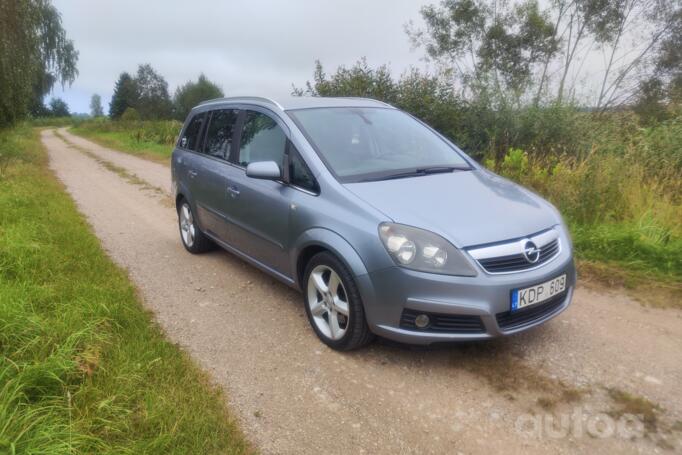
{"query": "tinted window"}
(219, 134)
(190, 137)
(362, 142)
(262, 140)
(299, 174)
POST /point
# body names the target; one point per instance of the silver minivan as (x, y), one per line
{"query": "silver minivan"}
(385, 226)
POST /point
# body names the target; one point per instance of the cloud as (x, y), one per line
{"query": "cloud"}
(247, 47)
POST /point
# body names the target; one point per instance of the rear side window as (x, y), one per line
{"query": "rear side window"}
(261, 140)
(219, 133)
(191, 135)
(299, 174)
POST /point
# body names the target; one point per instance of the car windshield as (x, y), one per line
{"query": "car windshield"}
(360, 144)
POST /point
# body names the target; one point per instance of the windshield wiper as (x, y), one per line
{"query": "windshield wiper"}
(419, 172)
(441, 169)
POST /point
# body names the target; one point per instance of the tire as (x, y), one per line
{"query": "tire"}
(191, 236)
(325, 305)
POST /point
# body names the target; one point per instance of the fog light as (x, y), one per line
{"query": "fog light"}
(421, 321)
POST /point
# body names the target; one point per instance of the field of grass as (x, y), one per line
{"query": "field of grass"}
(622, 199)
(124, 142)
(47, 122)
(149, 139)
(83, 367)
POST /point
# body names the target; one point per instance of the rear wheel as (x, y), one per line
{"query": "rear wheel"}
(333, 304)
(192, 238)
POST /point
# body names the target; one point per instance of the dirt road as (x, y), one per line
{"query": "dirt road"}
(605, 355)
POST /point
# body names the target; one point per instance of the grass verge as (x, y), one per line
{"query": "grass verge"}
(648, 287)
(83, 367)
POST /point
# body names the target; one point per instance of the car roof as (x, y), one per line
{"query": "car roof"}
(299, 102)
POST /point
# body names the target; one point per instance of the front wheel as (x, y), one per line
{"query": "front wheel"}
(333, 304)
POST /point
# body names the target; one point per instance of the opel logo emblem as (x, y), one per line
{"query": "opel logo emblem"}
(531, 252)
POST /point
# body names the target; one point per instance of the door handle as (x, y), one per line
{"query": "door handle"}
(192, 173)
(233, 190)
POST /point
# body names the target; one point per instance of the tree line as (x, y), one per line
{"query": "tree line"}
(490, 60)
(145, 96)
(525, 52)
(36, 55)
(512, 74)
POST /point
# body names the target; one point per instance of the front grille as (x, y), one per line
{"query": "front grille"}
(518, 262)
(451, 323)
(519, 318)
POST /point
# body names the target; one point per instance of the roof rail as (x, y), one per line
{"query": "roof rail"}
(364, 99)
(243, 98)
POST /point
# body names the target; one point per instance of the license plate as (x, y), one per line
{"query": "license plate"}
(522, 298)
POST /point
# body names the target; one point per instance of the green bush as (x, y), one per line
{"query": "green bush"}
(13, 145)
(661, 145)
(130, 115)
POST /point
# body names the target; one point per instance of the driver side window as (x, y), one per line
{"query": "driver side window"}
(261, 140)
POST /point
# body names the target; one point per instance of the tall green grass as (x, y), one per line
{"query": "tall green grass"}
(149, 138)
(622, 198)
(45, 122)
(83, 367)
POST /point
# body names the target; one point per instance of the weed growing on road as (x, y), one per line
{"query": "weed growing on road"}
(118, 170)
(508, 374)
(651, 415)
(628, 403)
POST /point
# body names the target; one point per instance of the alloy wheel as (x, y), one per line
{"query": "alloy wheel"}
(187, 229)
(328, 302)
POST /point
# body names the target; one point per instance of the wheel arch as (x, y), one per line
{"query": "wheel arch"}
(316, 240)
(178, 198)
(182, 192)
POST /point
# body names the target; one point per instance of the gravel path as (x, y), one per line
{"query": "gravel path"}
(294, 395)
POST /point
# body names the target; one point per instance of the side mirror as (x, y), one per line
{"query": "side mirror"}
(266, 170)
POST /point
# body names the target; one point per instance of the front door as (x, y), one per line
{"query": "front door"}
(259, 209)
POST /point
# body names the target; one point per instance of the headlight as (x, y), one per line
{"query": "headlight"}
(422, 250)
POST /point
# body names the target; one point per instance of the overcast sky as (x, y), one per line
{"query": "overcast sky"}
(257, 47)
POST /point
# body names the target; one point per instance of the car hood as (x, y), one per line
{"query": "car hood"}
(467, 207)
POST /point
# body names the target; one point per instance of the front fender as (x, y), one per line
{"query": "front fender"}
(331, 241)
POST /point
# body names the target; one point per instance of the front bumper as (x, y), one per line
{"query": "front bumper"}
(388, 292)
